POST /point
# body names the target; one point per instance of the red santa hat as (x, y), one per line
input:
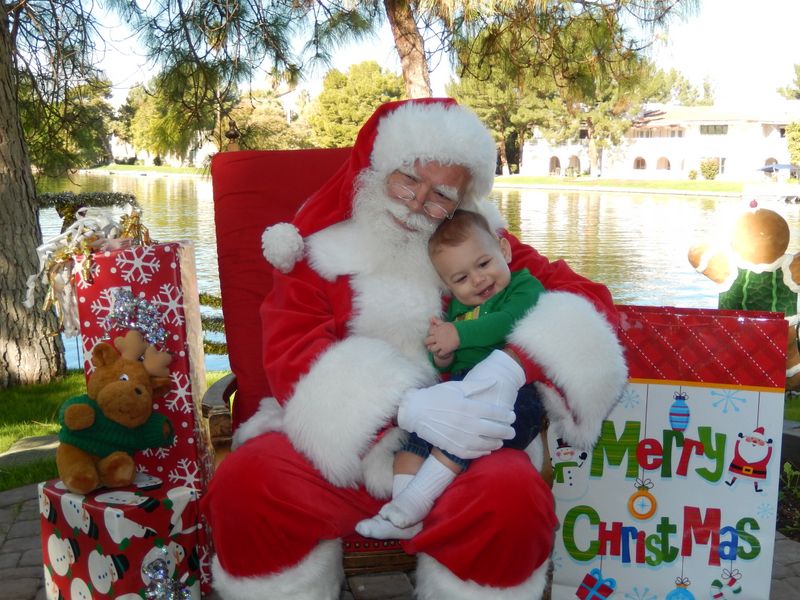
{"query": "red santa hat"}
(397, 134)
(758, 433)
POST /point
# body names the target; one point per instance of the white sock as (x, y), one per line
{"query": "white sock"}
(381, 529)
(414, 503)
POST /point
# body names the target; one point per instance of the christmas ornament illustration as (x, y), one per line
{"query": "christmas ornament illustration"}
(681, 591)
(679, 412)
(595, 587)
(642, 504)
(727, 585)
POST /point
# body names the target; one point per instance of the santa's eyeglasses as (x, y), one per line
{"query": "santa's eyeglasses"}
(440, 208)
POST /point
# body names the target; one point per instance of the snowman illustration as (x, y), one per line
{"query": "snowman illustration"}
(751, 456)
(104, 570)
(63, 552)
(76, 515)
(570, 481)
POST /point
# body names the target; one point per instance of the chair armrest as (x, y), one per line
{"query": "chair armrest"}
(216, 406)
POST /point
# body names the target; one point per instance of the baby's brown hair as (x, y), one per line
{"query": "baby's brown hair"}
(454, 231)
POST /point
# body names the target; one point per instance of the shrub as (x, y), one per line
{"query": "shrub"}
(692, 174)
(709, 167)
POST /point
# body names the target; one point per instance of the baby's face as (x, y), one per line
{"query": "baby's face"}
(476, 269)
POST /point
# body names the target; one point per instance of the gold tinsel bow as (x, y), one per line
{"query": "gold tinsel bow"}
(88, 234)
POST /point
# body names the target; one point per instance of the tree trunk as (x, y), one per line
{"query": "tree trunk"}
(501, 150)
(29, 350)
(410, 48)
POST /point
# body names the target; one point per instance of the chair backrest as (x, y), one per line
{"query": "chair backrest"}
(254, 189)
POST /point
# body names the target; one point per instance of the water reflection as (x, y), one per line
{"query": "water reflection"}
(634, 243)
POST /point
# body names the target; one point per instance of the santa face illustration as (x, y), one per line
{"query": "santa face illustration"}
(751, 455)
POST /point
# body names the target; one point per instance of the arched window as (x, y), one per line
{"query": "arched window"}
(555, 166)
(639, 163)
(662, 164)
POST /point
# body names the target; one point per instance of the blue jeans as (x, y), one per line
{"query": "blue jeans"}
(529, 410)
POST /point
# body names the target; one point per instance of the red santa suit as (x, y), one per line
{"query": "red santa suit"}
(747, 466)
(343, 330)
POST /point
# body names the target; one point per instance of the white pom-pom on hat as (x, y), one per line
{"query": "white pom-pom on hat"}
(282, 245)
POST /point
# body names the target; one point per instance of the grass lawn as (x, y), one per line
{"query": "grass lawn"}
(33, 411)
(153, 169)
(681, 185)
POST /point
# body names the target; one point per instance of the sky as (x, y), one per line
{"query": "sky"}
(747, 49)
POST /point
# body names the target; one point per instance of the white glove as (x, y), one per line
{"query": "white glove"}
(506, 377)
(447, 416)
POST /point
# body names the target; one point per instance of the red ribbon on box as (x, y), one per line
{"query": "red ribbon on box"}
(594, 587)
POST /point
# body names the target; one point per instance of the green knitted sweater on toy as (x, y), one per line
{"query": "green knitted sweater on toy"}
(105, 436)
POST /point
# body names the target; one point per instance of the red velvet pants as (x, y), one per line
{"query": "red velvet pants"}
(268, 507)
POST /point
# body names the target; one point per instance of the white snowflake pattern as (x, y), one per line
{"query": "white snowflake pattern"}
(160, 453)
(94, 273)
(204, 554)
(101, 308)
(186, 473)
(629, 398)
(728, 400)
(645, 594)
(170, 300)
(179, 398)
(138, 265)
(766, 510)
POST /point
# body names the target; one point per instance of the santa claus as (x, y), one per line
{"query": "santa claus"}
(751, 456)
(344, 328)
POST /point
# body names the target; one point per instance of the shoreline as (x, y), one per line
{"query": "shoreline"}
(498, 184)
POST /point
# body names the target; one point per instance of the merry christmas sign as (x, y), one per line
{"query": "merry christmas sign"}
(678, 498)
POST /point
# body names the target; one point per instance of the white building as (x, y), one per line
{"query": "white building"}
(671, 141)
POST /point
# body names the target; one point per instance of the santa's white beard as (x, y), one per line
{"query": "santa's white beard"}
(374, 212)
(752, 453)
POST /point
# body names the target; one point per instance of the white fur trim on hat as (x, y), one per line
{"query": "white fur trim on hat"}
(437, 132)
(282, 245)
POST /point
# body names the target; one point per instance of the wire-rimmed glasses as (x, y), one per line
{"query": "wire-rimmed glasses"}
(433, 209)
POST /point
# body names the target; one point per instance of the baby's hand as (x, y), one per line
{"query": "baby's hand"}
(442, 339)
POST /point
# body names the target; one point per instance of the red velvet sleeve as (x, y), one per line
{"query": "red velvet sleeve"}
(299, 323)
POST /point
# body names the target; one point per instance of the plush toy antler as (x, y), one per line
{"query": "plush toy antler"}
(134, 347)
(157, 363)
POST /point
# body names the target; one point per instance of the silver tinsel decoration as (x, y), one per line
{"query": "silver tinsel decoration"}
(131, 312)
(162, 586)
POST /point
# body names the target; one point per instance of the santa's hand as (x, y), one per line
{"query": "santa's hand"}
(447, 416)
(504, 375)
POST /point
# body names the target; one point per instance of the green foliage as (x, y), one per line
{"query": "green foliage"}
(348, 99)
(692, 174)
(709, 168)
(789, 500)
(793, 142)
(69, 130)
(264, 124)
(792, 92)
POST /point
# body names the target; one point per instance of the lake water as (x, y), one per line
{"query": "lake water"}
(635, 243)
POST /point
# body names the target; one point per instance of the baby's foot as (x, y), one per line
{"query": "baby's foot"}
(407, 509)
(381, 529)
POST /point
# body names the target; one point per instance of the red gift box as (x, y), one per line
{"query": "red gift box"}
(594, 587)
(107, 544)
(163, 275)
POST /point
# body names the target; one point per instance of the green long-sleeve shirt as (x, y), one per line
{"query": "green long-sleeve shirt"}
(484, 328)
(105, 436)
